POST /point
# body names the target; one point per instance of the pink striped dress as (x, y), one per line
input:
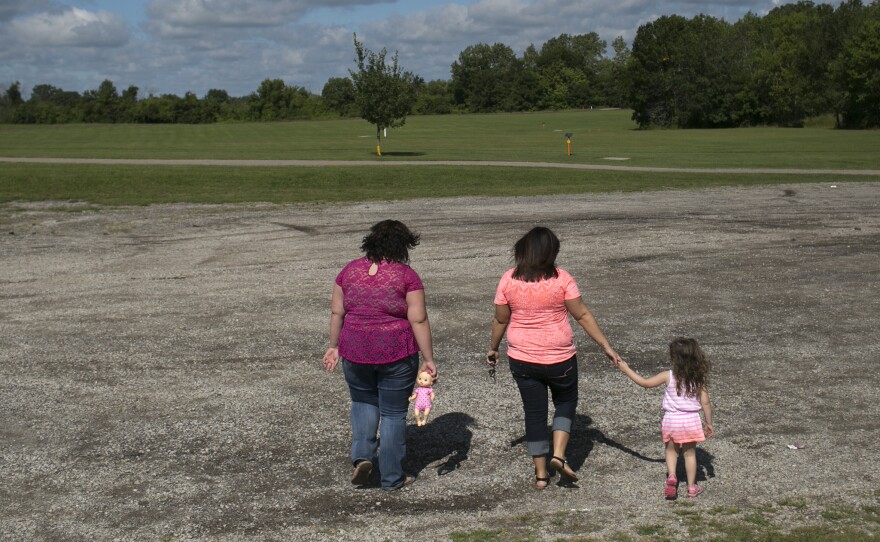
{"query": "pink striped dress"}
(681, 421)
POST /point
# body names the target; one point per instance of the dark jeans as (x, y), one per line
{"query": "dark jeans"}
(380, 393)
(534, 381)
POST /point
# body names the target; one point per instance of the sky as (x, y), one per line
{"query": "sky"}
(179, 46)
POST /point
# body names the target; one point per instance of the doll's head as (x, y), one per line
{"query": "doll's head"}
(424, 379)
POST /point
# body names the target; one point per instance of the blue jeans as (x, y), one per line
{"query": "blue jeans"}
(379, 404)
(534, 380)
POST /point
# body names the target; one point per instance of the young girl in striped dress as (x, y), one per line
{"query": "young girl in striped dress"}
(686, 394)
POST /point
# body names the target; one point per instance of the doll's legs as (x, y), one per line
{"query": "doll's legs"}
(425, 415)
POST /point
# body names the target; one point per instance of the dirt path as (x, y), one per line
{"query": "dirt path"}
(160, 374)
(387, 163)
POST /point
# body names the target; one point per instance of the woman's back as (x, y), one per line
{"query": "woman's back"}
(376, 329)
(539, 330)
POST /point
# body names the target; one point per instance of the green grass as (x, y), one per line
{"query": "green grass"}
(818, 522)
(144, 185)
(476, 536)
(534, 137)
(519, 137)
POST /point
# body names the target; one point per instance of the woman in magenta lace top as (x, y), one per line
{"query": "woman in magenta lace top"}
(378, 326)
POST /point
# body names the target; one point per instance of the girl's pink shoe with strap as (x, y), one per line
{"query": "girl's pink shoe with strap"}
(671, 488)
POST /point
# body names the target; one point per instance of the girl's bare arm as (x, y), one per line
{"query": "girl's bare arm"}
(653, 382)
(707, 411)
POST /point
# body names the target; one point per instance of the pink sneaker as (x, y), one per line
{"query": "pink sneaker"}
(671, 488)
(693, 492)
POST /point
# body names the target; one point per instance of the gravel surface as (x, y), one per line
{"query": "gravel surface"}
(160, 374)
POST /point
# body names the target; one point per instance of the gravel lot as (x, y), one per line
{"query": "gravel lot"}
(160, 374)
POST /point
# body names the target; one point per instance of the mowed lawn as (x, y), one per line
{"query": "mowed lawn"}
(599, 137)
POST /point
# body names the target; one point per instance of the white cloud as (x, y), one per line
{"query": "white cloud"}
(73, 27)
(180, 18)
(196, 45)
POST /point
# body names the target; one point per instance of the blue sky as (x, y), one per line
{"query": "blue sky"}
(176, 46)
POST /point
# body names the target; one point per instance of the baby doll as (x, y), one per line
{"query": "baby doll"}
(423, 395)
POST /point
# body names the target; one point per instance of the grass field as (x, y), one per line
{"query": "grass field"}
(599, 136)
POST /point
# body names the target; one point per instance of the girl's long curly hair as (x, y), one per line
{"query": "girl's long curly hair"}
(690, 366)
(535, 255)
(389, 240)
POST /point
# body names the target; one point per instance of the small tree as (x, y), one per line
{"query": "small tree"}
(383, 92)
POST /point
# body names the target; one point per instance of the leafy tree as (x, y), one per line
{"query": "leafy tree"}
(155, 109)
(383, 91)
(483, 78)
(127, 102)
(216, 106)
(796, 46)
(101, 104)
(339, 96)
(274, 100)
(433, 98)
(569, 70)
(680, 73)
(857, 71)
(13, 94)
(614, 72)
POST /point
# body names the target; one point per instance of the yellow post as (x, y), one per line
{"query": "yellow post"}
(568, 145)
(378, 151)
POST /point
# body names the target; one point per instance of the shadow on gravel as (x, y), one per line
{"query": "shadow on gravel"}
(705, 468)
(446, 438)
(584, 438)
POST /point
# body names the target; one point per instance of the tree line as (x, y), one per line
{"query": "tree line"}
(798, 61)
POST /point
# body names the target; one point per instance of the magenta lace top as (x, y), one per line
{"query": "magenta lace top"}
(375, 329)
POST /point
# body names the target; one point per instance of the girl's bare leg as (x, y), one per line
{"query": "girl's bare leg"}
(690, 462)
(671, 458)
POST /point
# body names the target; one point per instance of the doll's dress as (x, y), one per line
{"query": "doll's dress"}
(423, 398)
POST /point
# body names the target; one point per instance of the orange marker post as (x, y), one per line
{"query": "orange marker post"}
(568, 143)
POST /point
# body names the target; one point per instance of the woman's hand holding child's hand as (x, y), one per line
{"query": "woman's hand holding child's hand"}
(613, 356)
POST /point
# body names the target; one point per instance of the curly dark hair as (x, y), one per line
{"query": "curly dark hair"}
(690, 366)
(535, 255)
(389, 240)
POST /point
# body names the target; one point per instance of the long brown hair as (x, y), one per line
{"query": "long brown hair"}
(690, 366)
(535, 255)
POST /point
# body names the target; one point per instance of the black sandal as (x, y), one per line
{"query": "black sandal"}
(538, 480)
(561, 465)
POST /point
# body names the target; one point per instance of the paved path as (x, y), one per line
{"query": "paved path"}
(360, 163)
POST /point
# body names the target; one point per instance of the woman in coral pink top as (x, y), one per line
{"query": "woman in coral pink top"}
(378, 326)
(532, 305)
